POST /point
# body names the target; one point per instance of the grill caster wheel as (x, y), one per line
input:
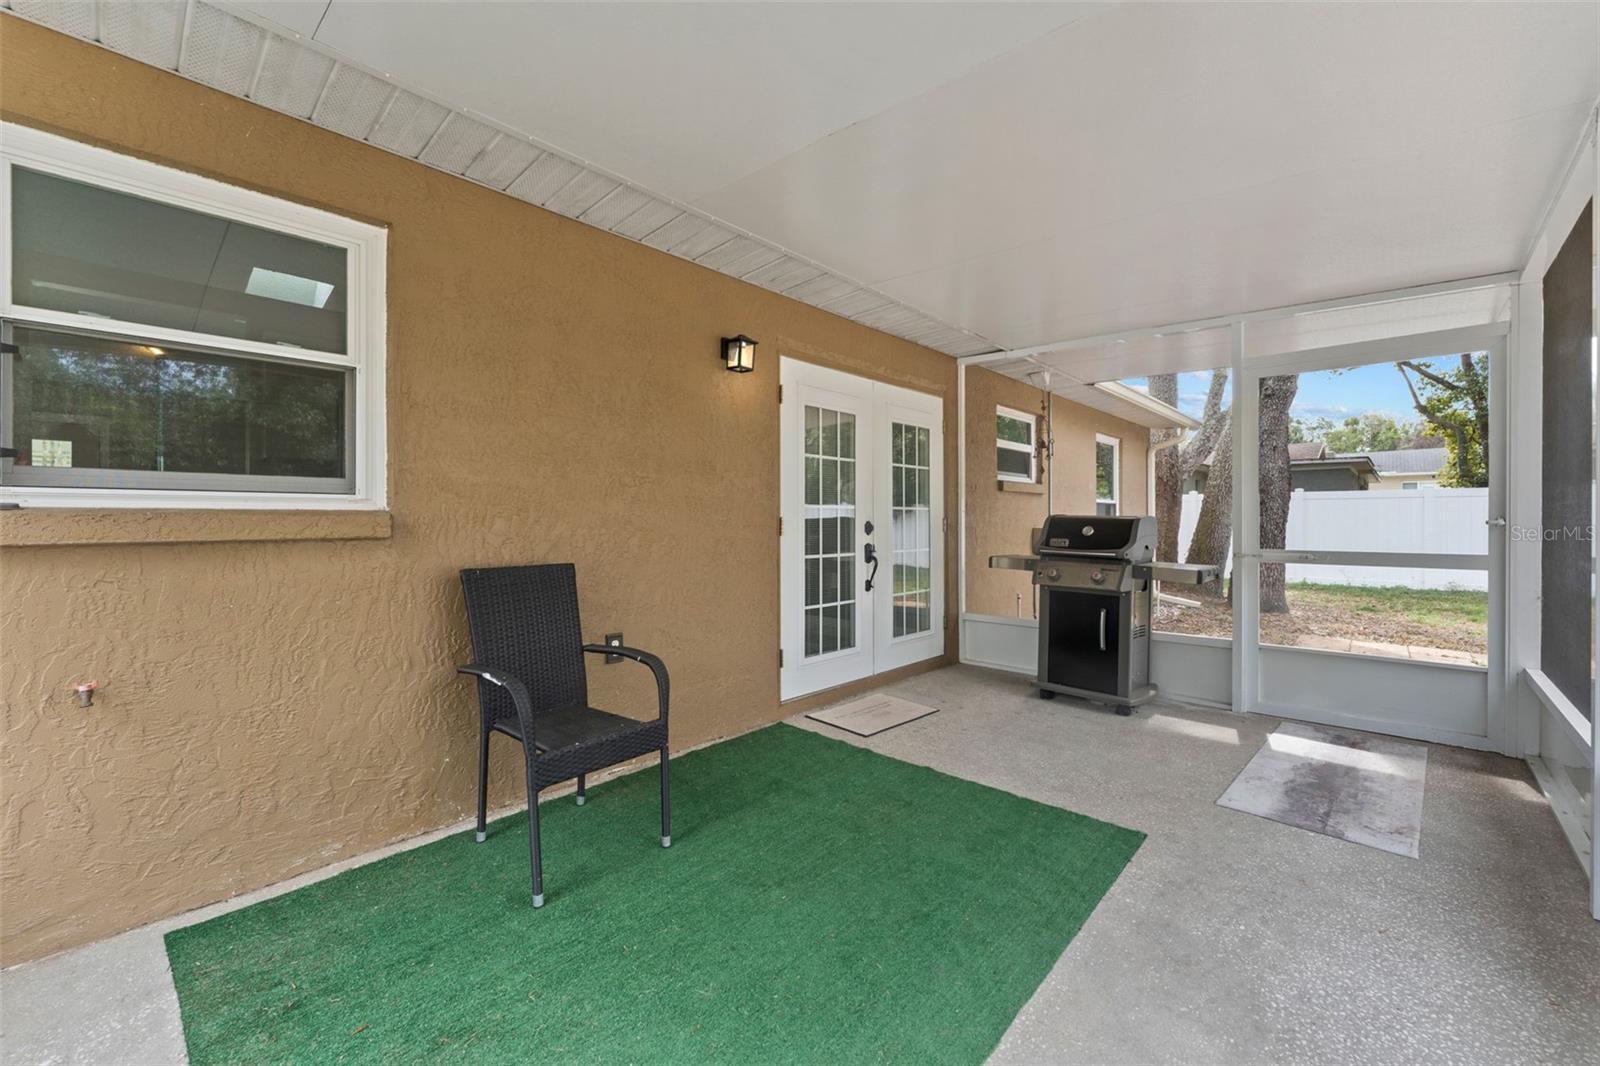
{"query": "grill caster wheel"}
(1046, 694)
(1123, 712)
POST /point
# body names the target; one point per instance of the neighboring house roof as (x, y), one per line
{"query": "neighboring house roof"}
(1316, 457)
(1359, 465)
(1369, 465)
(1315, 449)
(1408, 460)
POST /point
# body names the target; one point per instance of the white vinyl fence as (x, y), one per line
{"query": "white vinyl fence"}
(1450, 521)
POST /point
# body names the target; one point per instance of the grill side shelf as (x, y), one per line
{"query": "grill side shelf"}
(1027, 563)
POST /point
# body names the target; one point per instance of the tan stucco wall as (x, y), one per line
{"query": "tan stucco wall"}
(269, 707)
(1001, 522)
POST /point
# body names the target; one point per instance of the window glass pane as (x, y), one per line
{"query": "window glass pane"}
(79, 248)
(90, 403)
(830, 433)
(910, 537)
(1014, 430)
(1105, 470)
(847, 436)
(1011, 461)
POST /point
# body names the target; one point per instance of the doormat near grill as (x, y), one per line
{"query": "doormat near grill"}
(1364, 789)
(820, 903)
(871, 715)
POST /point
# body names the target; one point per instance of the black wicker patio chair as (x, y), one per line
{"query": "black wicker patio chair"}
(528, 653)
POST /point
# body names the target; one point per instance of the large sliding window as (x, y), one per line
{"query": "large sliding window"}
(174, 341)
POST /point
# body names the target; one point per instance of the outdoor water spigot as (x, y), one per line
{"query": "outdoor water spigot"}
(85, 691)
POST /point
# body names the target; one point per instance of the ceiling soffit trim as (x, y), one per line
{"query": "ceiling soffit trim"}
(256, 60)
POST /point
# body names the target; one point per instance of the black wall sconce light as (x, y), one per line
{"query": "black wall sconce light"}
(739, 354)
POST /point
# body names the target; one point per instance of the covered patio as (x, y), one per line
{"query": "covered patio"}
(791, 533)
(1231, 938)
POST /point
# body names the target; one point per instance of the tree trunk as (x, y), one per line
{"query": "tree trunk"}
(1169, 475)
(1177, 463)
(1214, 529)
(1277, 395)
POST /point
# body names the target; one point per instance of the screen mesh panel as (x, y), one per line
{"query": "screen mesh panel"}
(1567, 555)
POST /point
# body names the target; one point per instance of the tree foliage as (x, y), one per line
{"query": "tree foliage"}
(1373, 431)
(1455, 402)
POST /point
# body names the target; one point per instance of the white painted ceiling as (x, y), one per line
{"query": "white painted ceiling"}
(1024, 173)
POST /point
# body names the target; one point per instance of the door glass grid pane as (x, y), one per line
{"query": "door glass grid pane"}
(830, 515)
(911, 474)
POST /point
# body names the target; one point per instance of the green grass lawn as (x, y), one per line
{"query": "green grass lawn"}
(1450, 619)
(1443, 607)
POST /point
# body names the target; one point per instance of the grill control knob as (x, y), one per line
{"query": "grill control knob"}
(1053, 574)
(1098, 577)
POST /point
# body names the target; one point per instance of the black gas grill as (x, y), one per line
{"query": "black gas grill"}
(1094, 574)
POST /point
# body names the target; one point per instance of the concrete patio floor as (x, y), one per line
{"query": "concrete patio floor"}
(1227, 939)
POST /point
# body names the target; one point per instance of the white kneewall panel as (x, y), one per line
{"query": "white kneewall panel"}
(1185, 669)
(1440, 702)
(1000, 643)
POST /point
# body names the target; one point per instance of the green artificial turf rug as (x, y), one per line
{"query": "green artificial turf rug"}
(820, 904)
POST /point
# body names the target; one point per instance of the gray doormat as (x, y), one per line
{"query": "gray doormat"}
(870, 715)
(1364, 789)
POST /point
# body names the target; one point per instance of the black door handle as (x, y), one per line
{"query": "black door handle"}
(871, 557)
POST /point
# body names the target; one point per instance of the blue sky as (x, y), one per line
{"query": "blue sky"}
(1324, 394)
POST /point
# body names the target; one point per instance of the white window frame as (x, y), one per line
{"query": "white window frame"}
(366, 256)
(1115, 500)
(1031, 449)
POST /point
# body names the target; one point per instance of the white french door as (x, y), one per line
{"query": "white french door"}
(862, 535)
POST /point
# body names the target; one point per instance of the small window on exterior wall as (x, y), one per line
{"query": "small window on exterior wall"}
(177, 342)
(1107, 474)
(1015, 453)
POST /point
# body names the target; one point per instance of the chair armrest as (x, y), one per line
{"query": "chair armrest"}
(516, 689)
(657, 667)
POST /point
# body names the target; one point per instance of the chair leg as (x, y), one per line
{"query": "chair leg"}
(533, 840)
(581, 795)
(666, 803)
(483, 784)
